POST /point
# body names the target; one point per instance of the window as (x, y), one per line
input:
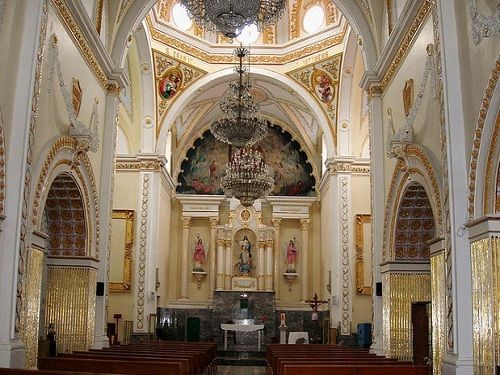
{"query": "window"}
(313, 19)
(181, 18)
(248, 35)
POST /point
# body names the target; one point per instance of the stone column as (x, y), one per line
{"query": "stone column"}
(229, 266)
(269, 266)
(261, 268)
(276, 223)
(220, 265)
(212, 254)
(186, 221)
(304, 224)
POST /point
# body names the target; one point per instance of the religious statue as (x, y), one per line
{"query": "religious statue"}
(199, 256)
(245, 258)
(291, 256)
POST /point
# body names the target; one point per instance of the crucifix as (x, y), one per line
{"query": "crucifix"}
(315, 303)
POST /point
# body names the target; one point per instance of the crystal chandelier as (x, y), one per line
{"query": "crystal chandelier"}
(240, 125)
(247, 177)
(230, 16)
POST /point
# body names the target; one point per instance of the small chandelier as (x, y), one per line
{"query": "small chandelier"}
(239, 125)
(247, 177)
(230, 16)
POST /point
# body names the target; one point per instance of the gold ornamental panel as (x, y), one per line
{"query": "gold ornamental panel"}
(31, 312)
(121, 251)
(485, 302)
(71, 306)
(362, 226)
(438, 285)
(400, 291)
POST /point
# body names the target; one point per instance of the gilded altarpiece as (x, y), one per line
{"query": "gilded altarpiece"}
(71, 298)
(438, 307)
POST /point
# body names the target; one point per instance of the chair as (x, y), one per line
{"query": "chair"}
(298, 338)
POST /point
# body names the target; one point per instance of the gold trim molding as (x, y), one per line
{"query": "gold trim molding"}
(478, 141)
(124, 285)
(2, 167)
(361, 288)
(148, 165)
(74, 29)
(254, 59)
(407, 42)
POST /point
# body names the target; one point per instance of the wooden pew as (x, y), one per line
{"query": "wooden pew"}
(330, 369)
(15, 371)
(178, 367)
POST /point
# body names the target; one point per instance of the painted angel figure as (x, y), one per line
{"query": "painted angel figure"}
(199, 256)
(291, 256)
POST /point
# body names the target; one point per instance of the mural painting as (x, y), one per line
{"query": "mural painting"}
(206, 161)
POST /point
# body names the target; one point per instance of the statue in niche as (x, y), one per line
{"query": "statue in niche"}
(291, 256)
(199, 256)
(245, 259)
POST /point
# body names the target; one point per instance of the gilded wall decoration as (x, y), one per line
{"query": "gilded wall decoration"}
(204, 165)
(497, 191)
(322, 80)
(300, 7)
(99, 8)
(35, 101)
(390, 19)
(490, 183)
(172, 77)
(76, 95)
(345, 328)
(438, 311)
(408, 96)
(361, 222)
(124, 250)
(478, 139)
(2, 167)
(66, 224)
(414, 225)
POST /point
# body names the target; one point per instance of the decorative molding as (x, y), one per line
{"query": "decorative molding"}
(492, 169)
(124, 285)
(74, 29)
(478, 141)
(407, 42)
(98, 15)
(361, 288)
(345, 328)
(153, 163)
(35, 102)
(254, 59)
(483, 26)
(390, 20)
(143, 233)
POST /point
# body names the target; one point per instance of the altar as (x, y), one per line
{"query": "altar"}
(246, 325)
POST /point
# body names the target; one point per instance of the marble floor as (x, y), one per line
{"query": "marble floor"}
(241, 370)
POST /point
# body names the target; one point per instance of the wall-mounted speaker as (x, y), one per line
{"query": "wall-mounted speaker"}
(378, 289)
(99, 290)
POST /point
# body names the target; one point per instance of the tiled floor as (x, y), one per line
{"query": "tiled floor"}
(240, 370)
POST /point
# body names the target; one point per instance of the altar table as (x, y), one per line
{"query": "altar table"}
(243, 328)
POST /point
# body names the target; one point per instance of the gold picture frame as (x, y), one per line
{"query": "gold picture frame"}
(361, 288)
(124, 285)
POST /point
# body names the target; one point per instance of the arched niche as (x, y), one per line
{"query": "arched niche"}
(65, 218)
(415, 225)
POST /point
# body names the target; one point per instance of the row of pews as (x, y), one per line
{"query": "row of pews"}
(317, 359)
(151, 358)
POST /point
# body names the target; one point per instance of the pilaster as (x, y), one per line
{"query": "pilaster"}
(276, 225)
(212, 255)
(186, 223)
(304, 227)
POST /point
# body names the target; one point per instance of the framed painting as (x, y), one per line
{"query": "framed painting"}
(122, 241)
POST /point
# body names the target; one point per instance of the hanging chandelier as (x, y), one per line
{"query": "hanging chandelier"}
(239, 124)
(230, 16)
(247, 177)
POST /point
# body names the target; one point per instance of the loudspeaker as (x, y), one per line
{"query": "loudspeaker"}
(99, 290)
(378, 289)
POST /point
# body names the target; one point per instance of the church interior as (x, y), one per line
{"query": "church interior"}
(356, 204)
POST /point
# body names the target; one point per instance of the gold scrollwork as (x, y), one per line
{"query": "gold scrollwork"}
(124, 285)
(361, 288)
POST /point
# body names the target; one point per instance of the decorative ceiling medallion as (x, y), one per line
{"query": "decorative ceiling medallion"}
(169, 83)
(323, 85)
(408, 96)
